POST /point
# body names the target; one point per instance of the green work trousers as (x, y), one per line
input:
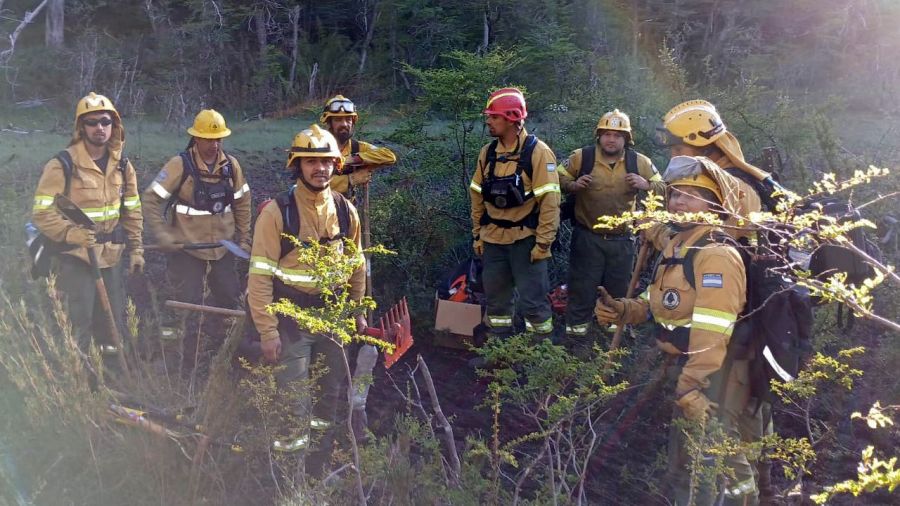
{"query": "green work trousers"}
(75, 280)
(735, 411)
(508, 269)
(595, 260)
(300, 350)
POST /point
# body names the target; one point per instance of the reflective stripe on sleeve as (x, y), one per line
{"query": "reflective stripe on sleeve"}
(132, 203)
(547, 188)
(713, 320)
(294, 277)
(243, 189)
(42, 202)
(159, 190)
(474, 186)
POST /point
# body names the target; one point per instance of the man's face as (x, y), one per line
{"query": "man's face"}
(317, 171)
(97, 127)
(341, 127)
(208, 148)
(612, 142)
(498, 126)
(686, 199)
(684, 150)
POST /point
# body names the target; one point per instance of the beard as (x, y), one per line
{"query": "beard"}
(611, 154)
(343, 136)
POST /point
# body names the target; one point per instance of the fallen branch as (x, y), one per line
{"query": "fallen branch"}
(443, 423)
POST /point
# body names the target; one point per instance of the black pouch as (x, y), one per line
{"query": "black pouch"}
(506, 192)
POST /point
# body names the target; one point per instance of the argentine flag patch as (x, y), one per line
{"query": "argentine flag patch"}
(551, 167)
(712, 281)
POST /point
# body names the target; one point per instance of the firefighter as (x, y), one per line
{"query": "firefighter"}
(201, 196)
(606, 179)
(515, 215)
(103, 183)
(324, 217)
(695, 319)
(360, 158)
(695, 128)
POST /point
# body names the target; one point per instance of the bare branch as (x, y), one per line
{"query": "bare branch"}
(7, 54)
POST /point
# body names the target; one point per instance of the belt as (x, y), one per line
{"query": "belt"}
(624, 236)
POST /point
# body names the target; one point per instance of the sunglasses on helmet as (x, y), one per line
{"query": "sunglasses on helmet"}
(97, 121)
(340, 106)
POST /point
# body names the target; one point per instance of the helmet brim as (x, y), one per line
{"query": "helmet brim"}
(219, 135)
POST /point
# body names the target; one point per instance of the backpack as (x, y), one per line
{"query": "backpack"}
(42, 249)
(775, 328)
(509, 191)
(588, 156)
(211, 197)
(290, 217)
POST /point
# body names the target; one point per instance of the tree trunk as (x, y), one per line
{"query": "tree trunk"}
(262, 39)
(295, 36)
(370, 32)
(311, 92)
(53, 36)
(7, 53)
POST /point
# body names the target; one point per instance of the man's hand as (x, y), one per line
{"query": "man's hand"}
(80, 236)
(696, 406)
(478, 247)
(136, 263)
(361, 323)
(166, 241)
(271, 349)
(637, 182)
(608, 309)
(353, 161)
(581, 183)
(246, 245)
(540, 252)
(360, 177)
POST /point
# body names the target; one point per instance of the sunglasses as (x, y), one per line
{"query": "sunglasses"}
(340, 106)
(101, 121)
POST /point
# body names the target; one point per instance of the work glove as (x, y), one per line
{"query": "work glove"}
(166, 241)
(540, 252)
(608, 309)
(271, 348)
(136, 263)
(80, 236)
(246, 245)
(696, 406)
(478, 247)
(360, 177)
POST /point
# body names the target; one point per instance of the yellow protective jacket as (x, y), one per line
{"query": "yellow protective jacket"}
(106, 197)
(543, 185)
(608, 194)
(190, 225)
(318, 220)
(372, 157)
(707, 313)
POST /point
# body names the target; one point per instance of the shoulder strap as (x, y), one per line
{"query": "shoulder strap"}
(343, 212)
(354, 147)
(65, 159)
(631, 166)
(188, 169)
(524, 163)
(688, 262)
(491, 159)
(228, 168)
(290, 219)
(588, 157)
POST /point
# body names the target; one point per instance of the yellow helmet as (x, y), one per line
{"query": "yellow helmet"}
(93, 102)
(209, 124)
(338, 106)
(315, 142)
(695, 123)
(615, 120)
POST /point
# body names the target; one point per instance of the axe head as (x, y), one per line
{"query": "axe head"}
(72, 212)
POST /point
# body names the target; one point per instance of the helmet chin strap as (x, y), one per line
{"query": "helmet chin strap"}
(307, 185)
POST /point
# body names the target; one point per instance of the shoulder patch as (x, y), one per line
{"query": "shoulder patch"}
(712, 280)
(162, 176)
(551, 167)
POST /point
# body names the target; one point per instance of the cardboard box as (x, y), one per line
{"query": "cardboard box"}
(457, 318)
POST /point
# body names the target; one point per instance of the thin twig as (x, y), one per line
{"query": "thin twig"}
(443, 423)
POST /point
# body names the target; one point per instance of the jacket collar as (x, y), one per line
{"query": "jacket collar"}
(201, 165)
(306, 197)
(502, 148)
(82, 159)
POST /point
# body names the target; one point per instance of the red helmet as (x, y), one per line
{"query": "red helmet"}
(507, 102)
